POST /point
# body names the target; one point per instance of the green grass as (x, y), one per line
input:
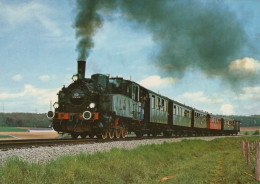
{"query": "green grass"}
(189, 161)
(12, 129)
(5, 136)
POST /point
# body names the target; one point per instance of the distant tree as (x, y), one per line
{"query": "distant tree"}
(19, 123)
(256, 132)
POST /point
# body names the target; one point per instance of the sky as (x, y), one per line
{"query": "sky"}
(38, 56)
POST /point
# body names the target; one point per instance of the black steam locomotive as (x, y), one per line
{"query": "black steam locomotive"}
(108, 107)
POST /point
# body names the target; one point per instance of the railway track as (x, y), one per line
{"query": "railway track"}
(28, 143)
(31, 143)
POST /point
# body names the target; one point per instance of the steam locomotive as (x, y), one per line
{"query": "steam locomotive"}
(111, 107)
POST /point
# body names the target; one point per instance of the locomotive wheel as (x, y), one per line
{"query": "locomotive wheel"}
(104, 135)
(117, 133)
(165, 134)
(111, 134)
(154, 134)
(123, 133)
(83, 135)
(74, 135)
(91, 135)
(139, 134)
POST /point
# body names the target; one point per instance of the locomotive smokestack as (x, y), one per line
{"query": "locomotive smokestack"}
(82, 68)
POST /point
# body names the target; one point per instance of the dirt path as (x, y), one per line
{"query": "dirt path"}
(30, 135)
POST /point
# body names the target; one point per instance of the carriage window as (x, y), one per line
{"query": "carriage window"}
(163, 104)
(186, 113)
(136, 93)
(153, 101)
(174, 109)
(158, 103)
(133, 93)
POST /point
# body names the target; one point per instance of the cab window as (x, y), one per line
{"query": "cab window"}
(153, 101)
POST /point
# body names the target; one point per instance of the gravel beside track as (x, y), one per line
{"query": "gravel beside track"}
(46, 154)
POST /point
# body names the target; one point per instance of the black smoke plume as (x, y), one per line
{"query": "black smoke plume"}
(86, 24)
(189, 34)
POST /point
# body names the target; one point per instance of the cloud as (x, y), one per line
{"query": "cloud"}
(17, 77)
(15, 14)
(44, 78)
(200, 97)
(248, 65)
(42, 96)
(156, 81)
(250, 93)
(227, 109)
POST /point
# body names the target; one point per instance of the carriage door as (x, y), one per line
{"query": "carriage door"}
(136, 103)
(170, 113)
(147, 109)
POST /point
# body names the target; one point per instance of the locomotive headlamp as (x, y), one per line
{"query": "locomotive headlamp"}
(50, 114)
(75, 78)
(87, 115)
(92, 105)
(56, 105)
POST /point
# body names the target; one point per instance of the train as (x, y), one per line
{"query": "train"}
(112, 107)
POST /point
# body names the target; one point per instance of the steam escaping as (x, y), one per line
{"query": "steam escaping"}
(189, 34)
(86, 24)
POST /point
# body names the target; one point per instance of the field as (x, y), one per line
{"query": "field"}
(249, 130)
(5, 136)
(12, 129)
(189, 161)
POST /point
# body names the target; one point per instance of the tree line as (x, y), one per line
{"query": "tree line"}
(41, 120)
(24, 120)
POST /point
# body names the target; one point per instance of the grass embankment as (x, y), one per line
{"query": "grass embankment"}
(189, 161)
(12, 129)
(5, 136)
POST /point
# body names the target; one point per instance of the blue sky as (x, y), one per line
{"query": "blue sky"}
(38, 56)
